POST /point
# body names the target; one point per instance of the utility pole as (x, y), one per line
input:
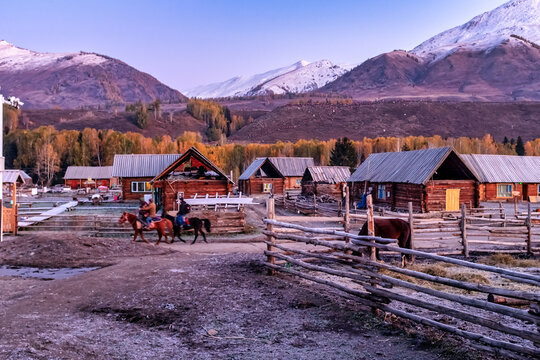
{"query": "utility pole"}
(15, 102)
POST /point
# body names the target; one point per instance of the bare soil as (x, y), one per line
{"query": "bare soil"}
(206, 301)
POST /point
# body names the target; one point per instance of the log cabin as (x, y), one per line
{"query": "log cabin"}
(190, 174)
(292, 169)
(504, 176)
(433, 180)
(325, 180)
(136, 171)
(78, 177)
(261, 177)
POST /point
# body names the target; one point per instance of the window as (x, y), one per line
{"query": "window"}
(141, 187)
(538, 190)
(381, 192)
(267, 188)
(504, 190)
(298, 182)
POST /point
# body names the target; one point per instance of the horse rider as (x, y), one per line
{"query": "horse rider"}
(183, 210)
(151, 211)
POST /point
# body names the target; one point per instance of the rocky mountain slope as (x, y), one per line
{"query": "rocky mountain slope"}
(74, 80)
(493, 57)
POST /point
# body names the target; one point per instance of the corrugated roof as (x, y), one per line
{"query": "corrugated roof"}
(88, 172)
(12, 176)
(329, 174)
(252, 168)
(415, 167)
(292, 166)
(141, 165)
(504, 168)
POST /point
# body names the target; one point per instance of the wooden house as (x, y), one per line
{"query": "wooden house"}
(78, 177)
(325, 180)
(504, 176)
(261, 177)
(292, 169)
(191, 173)
(136, 171)
(432, 179)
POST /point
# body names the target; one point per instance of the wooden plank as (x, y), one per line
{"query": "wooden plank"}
(47, 214)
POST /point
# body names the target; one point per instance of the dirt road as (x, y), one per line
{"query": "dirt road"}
(206, 301)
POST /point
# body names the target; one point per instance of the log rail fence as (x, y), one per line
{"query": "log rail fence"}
(505, 330)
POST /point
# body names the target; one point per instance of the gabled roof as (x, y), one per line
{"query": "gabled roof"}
(292, 166)
(191, 152)
(88, 172)
(256, 165)
(414, 167)
(12, 176)
(141, 165)
(328, 174)
(504, 168)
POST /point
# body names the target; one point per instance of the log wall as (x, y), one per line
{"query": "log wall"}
(435, 191)
(311, 187)
(126, 188)
(290, 182)
(223, 222)
(255, 185)
(190, 188)
(489, 191)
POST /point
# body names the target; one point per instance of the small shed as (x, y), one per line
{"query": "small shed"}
(501, 176)
(325, 180)
(192, 173)
(292, 169)
(77, 177)
(261, 177)
(135, 171)
(11, 179)
(433, 180)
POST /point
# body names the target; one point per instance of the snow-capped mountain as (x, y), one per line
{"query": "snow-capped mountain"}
(301, 76)
(307, 78)
(72, 80)
(485, 31)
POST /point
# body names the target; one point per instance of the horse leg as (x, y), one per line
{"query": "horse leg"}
(204, 236)
(142, 237)
(180, 234)
(196, 235)
(135, 236)
(159, 237)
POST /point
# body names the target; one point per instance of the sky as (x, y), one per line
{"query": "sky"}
(188, 43)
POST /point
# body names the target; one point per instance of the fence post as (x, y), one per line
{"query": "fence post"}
(371, 225)
(529, 229)
(314, 203)
(501, 210)
(271, 214)
(15, 219)
(347, 225)
(464, 231)
(411, 226)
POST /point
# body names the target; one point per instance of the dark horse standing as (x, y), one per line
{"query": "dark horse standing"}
(192, 223)
(392, 229)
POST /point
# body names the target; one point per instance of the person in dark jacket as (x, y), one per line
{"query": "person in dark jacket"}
(183, 210)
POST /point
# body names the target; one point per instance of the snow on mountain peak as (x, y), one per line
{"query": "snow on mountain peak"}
(516, 17)
(13, 58)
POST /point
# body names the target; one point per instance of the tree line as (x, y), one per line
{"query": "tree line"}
(45, 152)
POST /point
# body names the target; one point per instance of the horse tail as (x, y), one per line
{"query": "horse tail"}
(206, 224)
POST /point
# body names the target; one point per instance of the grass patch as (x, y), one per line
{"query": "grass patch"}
(470, 277)
(508, 261)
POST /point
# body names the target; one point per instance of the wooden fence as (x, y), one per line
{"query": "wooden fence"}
(446, 232)
(444, 302)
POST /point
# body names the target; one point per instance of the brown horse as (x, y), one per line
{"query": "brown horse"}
(194, 223)
(160, 226)
(392, 229)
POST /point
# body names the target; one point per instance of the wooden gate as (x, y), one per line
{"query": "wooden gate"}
(9, 218)
(452, 199)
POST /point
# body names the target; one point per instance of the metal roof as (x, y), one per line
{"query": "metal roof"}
(252, 168)
(415, 167)
(88, 172)
(504, 168)
(292, 166)
(329, 174)
(12, 176)
(141, 165)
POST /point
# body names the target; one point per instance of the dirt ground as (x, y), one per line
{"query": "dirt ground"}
(203, 301)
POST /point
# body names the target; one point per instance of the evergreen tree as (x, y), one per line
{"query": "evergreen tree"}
(405, 147)
(505, 141)
(344, 154)
(520, 147)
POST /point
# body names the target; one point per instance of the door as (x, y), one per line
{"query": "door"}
(452, 199)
